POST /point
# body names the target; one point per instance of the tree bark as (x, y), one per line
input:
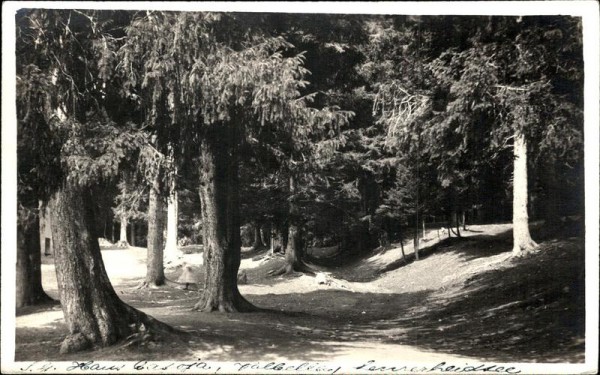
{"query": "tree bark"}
(219, 194)
(454, 224)
(29, 290)
(402, 245)
(155, 274)
(257, 241)
(112, 232)
(264, 232)
(132, 233)
(416, 245)
(457, 223)
(522, 241)
(278, 240)
(294, 251)
(123, 232)
(94, 314)
(294, 254)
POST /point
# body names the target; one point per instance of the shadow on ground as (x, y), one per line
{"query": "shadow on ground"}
(532, 310)
(529, 309)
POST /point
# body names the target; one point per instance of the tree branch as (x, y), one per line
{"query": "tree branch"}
(512, 88)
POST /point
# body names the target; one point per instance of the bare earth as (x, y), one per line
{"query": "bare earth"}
(465, 299)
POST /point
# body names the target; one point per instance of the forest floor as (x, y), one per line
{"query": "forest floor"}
(466, 298)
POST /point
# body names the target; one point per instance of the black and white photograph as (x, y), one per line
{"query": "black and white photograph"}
(319, 188)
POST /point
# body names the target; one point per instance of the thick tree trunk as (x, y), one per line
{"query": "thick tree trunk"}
(94, 314)
(521, 236)
(29, 289)
(294, 254)
(155, 274)
(171, 250)
(219, 194)
(294, 251)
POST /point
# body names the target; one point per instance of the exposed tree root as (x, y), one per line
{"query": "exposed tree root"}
(297, 267)
(75, 342)
(146, 329)
(530, 247)
(149, 285)
(236, 304)
(455, 232)
(140, 328)
(177, 284)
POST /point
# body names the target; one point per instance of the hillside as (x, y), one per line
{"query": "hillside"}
(465, 298)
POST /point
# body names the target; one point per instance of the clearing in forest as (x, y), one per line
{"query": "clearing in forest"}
(465, 295)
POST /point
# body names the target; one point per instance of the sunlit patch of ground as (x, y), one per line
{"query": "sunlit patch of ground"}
(465, 298)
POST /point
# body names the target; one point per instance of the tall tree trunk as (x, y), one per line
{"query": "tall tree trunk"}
(416, 245)
(29, 289)
(294, 251)
(155, 273)
(265, 235)
(416, 237)
(123, 232)
(112, 232)
(457, 223)
(454, 224)
(132, 233)
(257, 242)
(94, 314)
(278, 240)
(402, 245)
(521, 236)
(171, 251)
(219, 194)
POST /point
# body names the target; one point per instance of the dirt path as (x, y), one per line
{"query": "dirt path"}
(464, 296)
